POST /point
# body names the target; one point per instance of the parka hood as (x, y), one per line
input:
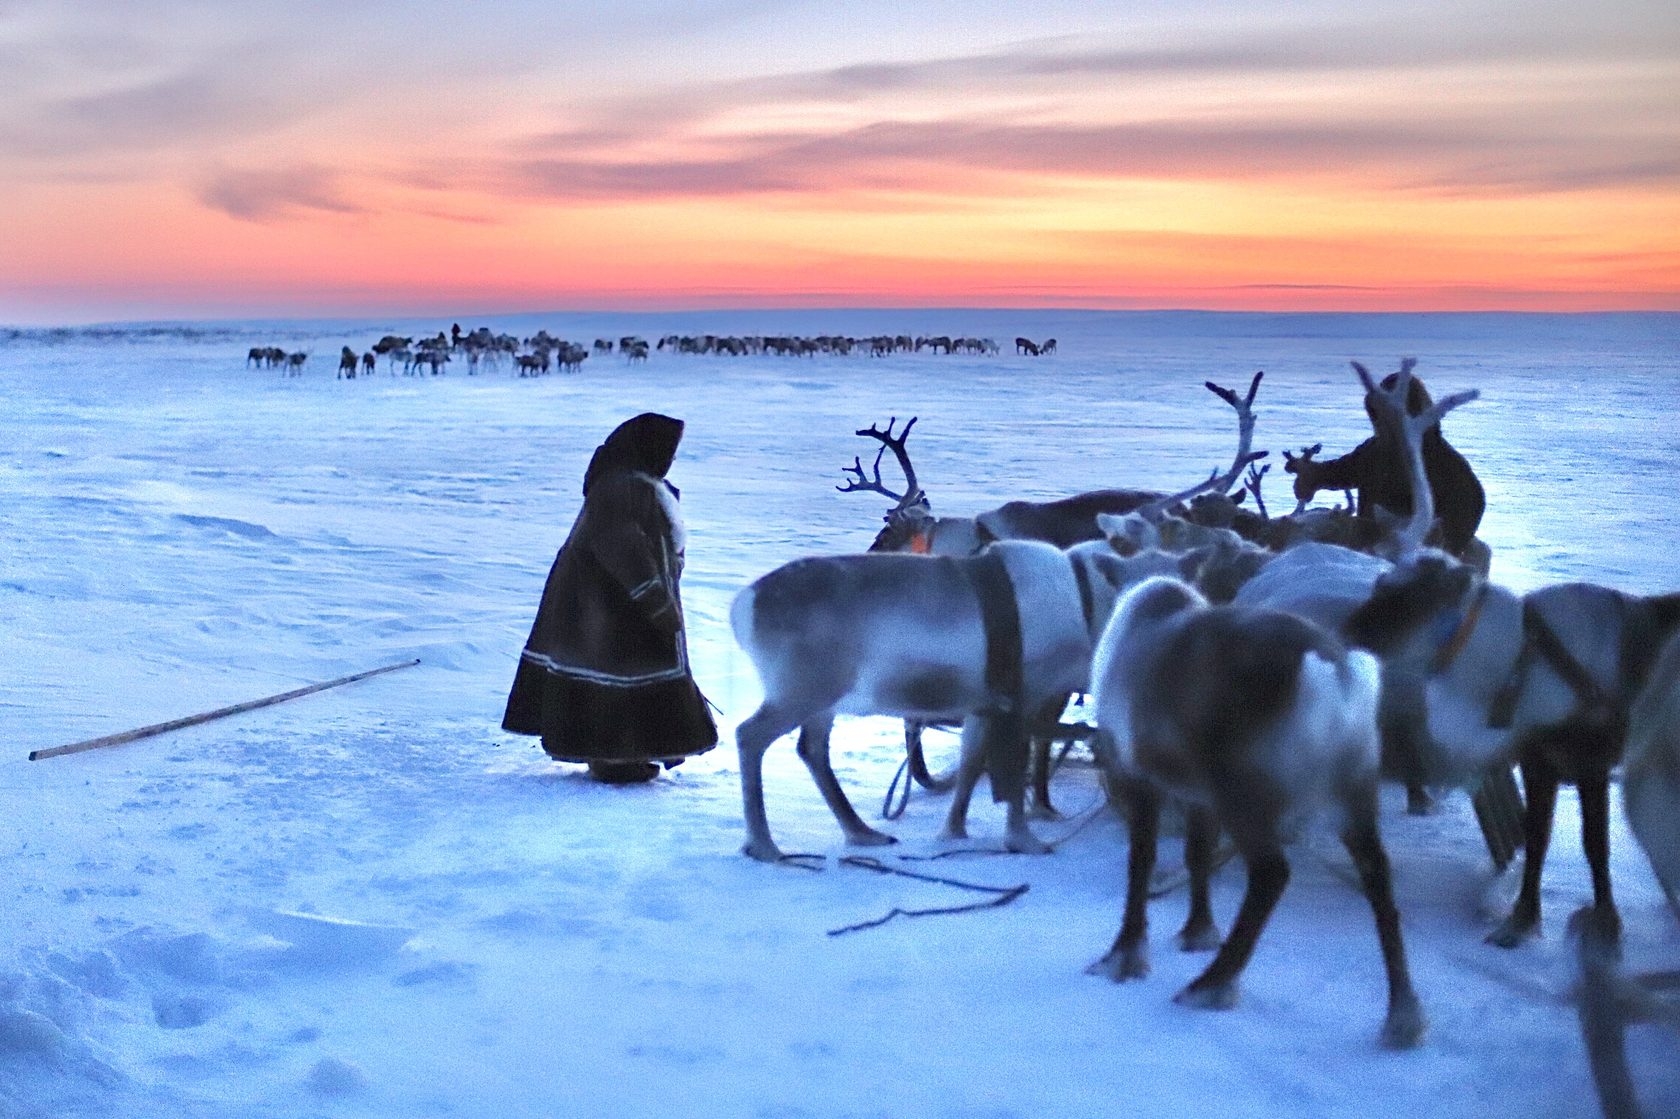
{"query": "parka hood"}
(646, 443)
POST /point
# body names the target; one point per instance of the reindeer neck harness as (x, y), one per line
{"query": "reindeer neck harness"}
(1463, 628)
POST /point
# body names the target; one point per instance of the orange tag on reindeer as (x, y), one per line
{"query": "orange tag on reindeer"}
(921, 543)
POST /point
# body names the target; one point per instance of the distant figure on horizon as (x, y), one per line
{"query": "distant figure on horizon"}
(604, 676)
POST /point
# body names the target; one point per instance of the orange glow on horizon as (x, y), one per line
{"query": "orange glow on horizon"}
(1149, 245)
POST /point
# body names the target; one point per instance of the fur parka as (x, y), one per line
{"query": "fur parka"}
(1377, 470)
(604, 675)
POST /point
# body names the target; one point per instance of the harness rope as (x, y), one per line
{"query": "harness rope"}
(1001, 895)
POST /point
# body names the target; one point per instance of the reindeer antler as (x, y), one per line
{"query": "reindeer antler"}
(1155, 510)
(895, 444)
(1412, 429)
(1292, 462)
(1245, 429)
(1252, 483)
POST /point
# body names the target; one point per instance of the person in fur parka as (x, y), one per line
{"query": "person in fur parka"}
(604, 676)
(1377, 470)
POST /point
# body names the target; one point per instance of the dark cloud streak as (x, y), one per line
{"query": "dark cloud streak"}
(270, 195)
(911, 156)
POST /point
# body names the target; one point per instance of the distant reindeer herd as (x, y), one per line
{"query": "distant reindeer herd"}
(1253, 670)
(544, 353)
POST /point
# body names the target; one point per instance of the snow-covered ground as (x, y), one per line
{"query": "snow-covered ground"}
(372, 902)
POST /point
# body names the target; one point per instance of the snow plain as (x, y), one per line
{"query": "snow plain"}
(372, 902)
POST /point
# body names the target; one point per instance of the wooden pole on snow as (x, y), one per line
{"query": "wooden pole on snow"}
(207, 716)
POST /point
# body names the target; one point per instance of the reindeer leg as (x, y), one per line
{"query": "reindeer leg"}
(1199, 934)
(969, 768)
(752, 738)
(1006, 753)
(1402, 738)
(813, 751)
(1540, 786)
(1404, 1025)
(1042, 809)
(1268, 874)
(1594, 792)
(1128, 958)
(1042, 750)
(1018, 837)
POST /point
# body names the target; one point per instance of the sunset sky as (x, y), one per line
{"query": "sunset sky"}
(215, 158)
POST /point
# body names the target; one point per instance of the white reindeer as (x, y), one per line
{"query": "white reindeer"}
(1651, 776)
(916, 637)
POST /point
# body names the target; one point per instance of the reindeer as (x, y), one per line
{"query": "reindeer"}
(1026, 346)
(1609, 1000)
(367, 364)
(436, 358)
(1255, 718)
(1048, 346)
(982, 639)
(912, 527)
(1547, 680)
(1651, 776)
(1064, 522)
(347, 362)
(295, 363)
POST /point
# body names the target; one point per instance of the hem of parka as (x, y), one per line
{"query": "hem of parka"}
(583, 721)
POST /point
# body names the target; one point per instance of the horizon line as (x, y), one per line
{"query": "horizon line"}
(30, 327)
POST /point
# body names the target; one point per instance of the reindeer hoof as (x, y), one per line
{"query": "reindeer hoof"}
(869, 837)
(1214, 996)
(1404, 1027)
(1026, 843)
(1201, 937)
(762, 850)
(1604, 925)
(1419, 802)
(1122, 964)
(1513, 933)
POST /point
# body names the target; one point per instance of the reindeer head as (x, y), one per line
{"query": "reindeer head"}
(907, 521)
(1306, 473)
(907, 527)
